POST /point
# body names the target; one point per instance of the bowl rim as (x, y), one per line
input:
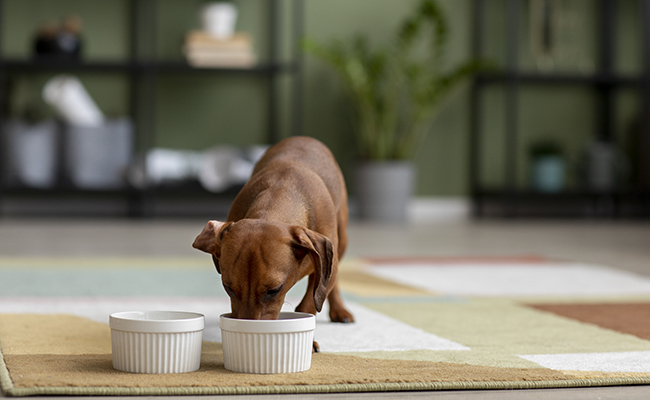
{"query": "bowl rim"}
(287, 322)
(157, 321)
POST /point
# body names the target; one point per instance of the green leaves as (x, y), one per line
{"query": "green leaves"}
(396, 88)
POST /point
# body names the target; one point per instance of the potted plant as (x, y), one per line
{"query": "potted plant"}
(396, 90)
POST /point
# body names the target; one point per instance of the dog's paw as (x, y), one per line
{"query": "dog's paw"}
(341, 315)
(315, 348)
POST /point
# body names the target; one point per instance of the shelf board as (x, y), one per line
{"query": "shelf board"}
(179, 66)
(567, 194)
(182, 188)
(184, 67)
(59, 65)
(189, 187)
(62, 190)
(571, 204)
(559, 78)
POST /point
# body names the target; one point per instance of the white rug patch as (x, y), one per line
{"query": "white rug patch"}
(552, 279)
(372, 331)
(632, 361)
(99, 309)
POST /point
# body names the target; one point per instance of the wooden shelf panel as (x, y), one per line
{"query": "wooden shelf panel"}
(179, 66)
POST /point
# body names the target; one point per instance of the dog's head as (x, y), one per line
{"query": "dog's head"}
(260, 261)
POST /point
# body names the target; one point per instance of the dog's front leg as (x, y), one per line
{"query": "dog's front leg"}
(307, 305)
(338, 312)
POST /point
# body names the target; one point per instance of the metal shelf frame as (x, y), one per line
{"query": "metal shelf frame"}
(144, 70)
(512, 201)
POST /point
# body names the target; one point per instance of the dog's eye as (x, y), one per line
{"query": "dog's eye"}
(273, 292)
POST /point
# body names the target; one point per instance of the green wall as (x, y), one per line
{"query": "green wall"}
(199, 111)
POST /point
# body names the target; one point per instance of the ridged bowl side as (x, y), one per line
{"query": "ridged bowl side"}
(156, 353)
(267, 353)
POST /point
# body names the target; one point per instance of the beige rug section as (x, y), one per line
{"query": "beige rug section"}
(62, 354)
(353, 280)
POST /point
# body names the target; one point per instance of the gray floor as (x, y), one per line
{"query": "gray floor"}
(621, 244)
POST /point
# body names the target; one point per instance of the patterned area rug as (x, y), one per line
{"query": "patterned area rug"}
(422, 324)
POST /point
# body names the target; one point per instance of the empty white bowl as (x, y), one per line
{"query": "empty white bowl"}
(156, 342)
(268, 346)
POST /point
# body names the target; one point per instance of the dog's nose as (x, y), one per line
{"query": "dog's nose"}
(248, 314)
(256, 314)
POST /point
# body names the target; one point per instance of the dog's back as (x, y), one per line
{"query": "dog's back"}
(301, 152)
(293, 164)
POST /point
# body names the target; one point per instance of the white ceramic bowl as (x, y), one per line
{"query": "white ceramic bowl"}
(268, 346)
(156, 342)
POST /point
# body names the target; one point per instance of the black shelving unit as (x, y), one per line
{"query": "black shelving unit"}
(144, 72)
(510, 200)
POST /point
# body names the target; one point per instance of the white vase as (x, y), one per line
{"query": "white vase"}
(383, 190)
(219, 19)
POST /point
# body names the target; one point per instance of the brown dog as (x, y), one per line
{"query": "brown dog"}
(287, 222)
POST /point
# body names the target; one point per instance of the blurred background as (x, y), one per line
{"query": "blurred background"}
(490, 129)
(148, 108)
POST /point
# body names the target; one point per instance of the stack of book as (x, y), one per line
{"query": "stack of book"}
(206, 51)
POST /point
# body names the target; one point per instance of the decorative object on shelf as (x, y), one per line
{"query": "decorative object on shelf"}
(555, 26)
(543, 32)
(216, 169)
(224, 167)
(219, 19)
(30, 141)
(98, 157)
(548, 167)
(217, 45)
(204, 50)
(62, 43)
(96, 151)
(605, 166)
(32, 152)
(141, 24)
(396, 90)
(45, 42)
(168, 166)
(592, 61)
(67, 95)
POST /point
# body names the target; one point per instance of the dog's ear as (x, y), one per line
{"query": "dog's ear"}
(209, 240)
(321, 251)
